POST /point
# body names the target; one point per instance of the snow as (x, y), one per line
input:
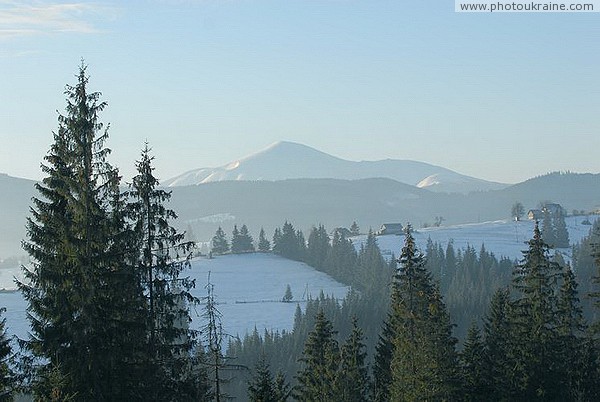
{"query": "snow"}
(248, 289)
(504, 238)
(287, 160)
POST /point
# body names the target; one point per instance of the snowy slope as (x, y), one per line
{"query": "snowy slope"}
(288, 160)
(504, 238)
(248, 290)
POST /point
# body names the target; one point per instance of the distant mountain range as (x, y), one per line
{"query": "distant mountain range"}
(288, 160)
(332, 202)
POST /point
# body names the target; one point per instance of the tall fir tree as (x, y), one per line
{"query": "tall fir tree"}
(534, 319)
(264, 246)
(424, 363)
(241, 241)
(164, 256)
(320, 360)
(82, 291)
(474, 380)
(263, 387)
(220, 245)
(499, 354)
(318, 247)
(352, 380)
(560, 230)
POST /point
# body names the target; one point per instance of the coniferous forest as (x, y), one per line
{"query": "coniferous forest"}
(109, 304)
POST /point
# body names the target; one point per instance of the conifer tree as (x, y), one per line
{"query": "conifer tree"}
(352, 381)
(264, 246)
(318, 247)
(575, 354)
(534, 321)
(242, 242)
(260, 387)
(499, 356)
(548, 230)
(560, 230)
(164, 257)
(354, 229)
(320, 360)
(235, 241)
(424, 361)
(474, 379)
(82, 288)
(220, 245)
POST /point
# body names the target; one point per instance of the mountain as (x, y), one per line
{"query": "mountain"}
(289, 160)
(370, 202)
(15, 199)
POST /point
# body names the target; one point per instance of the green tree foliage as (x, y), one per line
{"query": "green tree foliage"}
(352, 381)
(164, 257)
(499, 354)
(220, 245)
(424, 362)
(318, 247)
(263, 387)
(474, 380)
(548, 232)
(534, 319)
(289, 243)
(320, 359)
(560, 230)
(84, 298)
(264, 246)
(241, 241)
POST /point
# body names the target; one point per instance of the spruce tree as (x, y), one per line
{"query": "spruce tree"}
(424, 361)
(548, 232)
(534, 319)
(499, 353)
(352, 381)
(164, 256)
(264, 246)
(236, 246)
(318, 247)
(319, 363)
(245, 240)
(354, 229)
(576, 356)
(474, 378)
(220, 245)
(262, 388)
(560, 230)
(82, 290)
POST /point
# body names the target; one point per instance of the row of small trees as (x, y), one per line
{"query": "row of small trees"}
(241, 241)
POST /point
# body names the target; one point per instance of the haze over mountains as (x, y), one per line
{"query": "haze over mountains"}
(267, 188)
(288, 160)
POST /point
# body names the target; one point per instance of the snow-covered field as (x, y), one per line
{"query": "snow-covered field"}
(504, 238)
(248, 289)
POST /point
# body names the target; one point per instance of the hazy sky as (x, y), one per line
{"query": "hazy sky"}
(499, 96)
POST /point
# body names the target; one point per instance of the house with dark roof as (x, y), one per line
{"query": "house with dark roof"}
(390, 229)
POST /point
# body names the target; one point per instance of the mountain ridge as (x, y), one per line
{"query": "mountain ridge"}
(289, 160)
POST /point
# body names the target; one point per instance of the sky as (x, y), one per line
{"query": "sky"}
(502, 97)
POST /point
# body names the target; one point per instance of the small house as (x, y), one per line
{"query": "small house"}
(390, 229)
(535, 214)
